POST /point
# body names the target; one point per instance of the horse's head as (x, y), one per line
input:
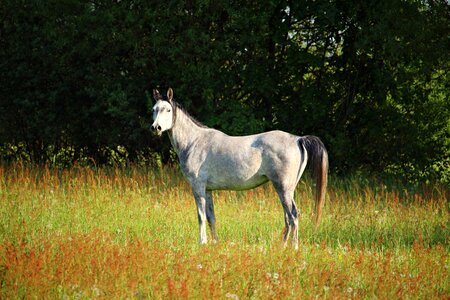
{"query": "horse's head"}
(162, 112)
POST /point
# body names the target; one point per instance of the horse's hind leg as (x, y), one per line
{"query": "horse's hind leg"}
(287, 229)
(210, 216)
(290, 215)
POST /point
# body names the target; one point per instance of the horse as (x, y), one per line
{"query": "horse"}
(212, 160)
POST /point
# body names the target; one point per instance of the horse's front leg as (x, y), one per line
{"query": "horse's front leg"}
(200, 201)
(210, 216)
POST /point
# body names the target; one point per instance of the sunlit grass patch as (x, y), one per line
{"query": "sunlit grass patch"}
(133, 233)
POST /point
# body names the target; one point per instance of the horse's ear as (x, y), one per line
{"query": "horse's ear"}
(170, 94)
(156, 95)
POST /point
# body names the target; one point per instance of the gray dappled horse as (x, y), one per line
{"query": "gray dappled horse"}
(212, 160)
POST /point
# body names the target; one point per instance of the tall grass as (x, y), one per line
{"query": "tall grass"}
(133, 233)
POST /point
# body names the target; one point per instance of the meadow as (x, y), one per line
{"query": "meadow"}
(132, 233)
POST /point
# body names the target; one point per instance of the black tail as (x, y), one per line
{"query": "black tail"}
(318, 160)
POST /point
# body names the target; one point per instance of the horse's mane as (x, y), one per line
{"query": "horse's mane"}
(177, 106)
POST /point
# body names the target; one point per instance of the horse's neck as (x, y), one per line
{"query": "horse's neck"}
(183, 133)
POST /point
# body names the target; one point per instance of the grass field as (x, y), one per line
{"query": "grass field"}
(79, 234)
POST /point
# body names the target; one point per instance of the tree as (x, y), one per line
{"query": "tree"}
(364, 76)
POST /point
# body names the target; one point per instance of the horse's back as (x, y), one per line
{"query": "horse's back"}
(250, 147)
(276, 141)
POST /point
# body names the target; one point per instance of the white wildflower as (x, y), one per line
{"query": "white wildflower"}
(96, 291)
(232, 296)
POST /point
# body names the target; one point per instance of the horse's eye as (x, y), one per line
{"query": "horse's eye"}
(168, 110)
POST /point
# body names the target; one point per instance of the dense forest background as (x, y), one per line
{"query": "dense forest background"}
(368, 77)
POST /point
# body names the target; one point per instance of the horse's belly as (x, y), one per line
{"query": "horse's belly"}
(235, 182)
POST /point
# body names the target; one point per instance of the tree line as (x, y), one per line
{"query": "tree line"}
(368, 77)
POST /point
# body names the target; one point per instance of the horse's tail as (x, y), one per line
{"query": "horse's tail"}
(318, 158)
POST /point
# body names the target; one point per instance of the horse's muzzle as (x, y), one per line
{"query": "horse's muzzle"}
(156, 129)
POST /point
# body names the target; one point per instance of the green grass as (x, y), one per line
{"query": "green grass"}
(133, 233)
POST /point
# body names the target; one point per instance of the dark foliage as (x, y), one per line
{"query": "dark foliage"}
(369, 77)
